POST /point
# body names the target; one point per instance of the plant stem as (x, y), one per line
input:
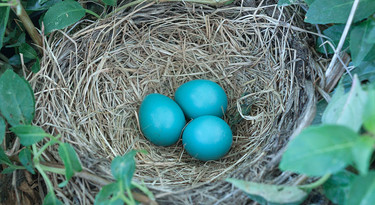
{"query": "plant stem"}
(130, 194)
(29, 26)
(53, 169)
(52, 141)
(46, 179)
(92, 13)
(317, 183)
(126, 200)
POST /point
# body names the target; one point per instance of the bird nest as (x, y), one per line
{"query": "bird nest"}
(93, 81)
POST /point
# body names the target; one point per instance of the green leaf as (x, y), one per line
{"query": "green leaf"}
(362, 190)
(4, 158)
(2, 129)
(20, 40)
(110, 2)
(369, 113)
(29, 134)
(107, 194)
(270, 194)
(36, 66)
(319, 150)
(334, 33)
(28, 51)
(17, 99)
(359, 45)
(123, 168)
(26, 161)
(70, 159)
(362, 152)
(365, 71)
(62, 14)
(346, 109)
(337, 11)
(4, 15)
(51, 199)
(38, 5)
(9, 170)
(337, 187)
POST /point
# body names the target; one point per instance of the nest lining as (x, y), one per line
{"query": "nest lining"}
(92, 83)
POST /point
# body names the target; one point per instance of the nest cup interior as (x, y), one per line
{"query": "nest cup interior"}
(92, 84)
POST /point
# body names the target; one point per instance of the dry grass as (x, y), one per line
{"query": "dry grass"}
(93, 81)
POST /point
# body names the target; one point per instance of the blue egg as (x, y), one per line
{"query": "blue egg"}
(161, 119)
(207, 138)
(201, 97)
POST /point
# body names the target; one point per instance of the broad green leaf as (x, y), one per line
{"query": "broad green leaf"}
(51, 199)
(334, 33)
(2, 129)
(337, 187)
(107, 195)
(362, 190)
(359, 45)
(62, 14)
(4, 158)
(369, 113)
(17, 99)
(365, 71)
(362, 151)
(123, 167)
(38, 5)
(270, 194)
(36, 66)
(28, 134)
(26, 161)
(4, 15)
(9, 170)
(28, 51)
(319, 150)
(320, 107)
(70, 159)
(110, 2)
(347, 109)
(337, 11)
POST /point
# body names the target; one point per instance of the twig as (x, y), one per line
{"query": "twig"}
(343, 36)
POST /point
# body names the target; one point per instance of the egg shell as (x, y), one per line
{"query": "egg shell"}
(201, 97)
(207, 138)
(161, 119)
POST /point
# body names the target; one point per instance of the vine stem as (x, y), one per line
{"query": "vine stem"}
(343, 37)
(317, 183)
(29, 26)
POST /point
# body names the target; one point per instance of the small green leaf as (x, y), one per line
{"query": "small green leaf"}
(28, 51)
(337, 187)
(320, 107)
(369, 112)
(4, 15)
(359, 45)
(123, 167)
(62, 14)
(334, 33)
(319, 150)
(36, 66)
(26, 161)
(4, 158)
(362, 190)
(70, 159)
(29, 134)
(110, 2)
(9, 170)
(337, 11)
(17, 99)
(51, 199)
(107, 194)
(346, 109)
(2, 129)
(270, 194)
(362, 152)
(38, 5)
